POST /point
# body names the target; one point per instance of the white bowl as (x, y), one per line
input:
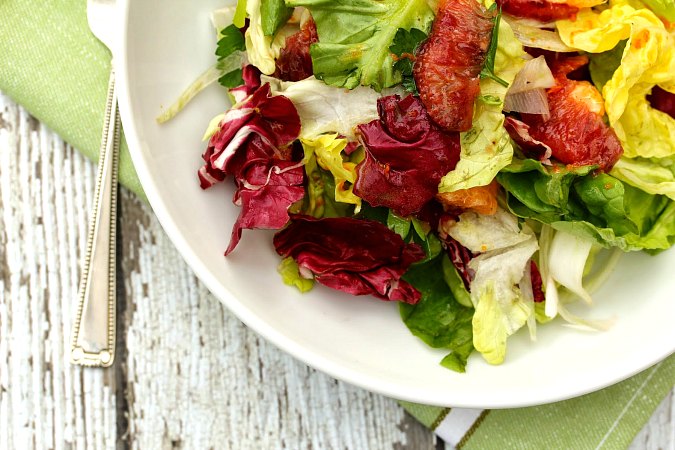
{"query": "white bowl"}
(360, 340)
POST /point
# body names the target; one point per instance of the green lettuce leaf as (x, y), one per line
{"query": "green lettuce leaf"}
(414, 230)
(239, 19)
(487, 147)
(456, 284)
(355, 36)
(327, 151)
(600, 207)
(501, 308)
(663, 8)
(274, 14)
(603, 65)
(654, 176)
(438, 319)
(290, 274)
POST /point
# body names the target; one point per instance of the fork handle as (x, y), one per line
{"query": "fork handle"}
(93, 335)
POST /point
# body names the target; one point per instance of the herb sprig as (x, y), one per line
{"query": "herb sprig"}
(488, 70)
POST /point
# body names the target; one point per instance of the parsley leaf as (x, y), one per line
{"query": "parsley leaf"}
(231, 79)
(489, 67)
(404, 46)
(231, 41)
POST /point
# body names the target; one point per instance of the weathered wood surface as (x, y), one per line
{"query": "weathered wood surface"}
(188, 373)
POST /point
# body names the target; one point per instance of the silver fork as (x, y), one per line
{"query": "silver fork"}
(93, 335)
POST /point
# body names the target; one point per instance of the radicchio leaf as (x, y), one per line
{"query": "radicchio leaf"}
(251, 76)
(253, 145)
(406, 156)
(360, 257)
(532, 148)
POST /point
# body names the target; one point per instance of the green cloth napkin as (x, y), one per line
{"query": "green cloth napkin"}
(52, 65)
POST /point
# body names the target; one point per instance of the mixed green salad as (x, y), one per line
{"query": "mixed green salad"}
(484, 164)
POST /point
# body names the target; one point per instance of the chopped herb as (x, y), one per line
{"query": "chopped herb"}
(231, 79)
(231, 41)
(404, 46)
(489, 67)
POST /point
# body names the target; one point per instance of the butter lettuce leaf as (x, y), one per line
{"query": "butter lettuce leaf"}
(654, 176)
(438, 319)
(648, 59)
(663, 8)
(290, 274)
(273, 14)
(600, 207)
(486, 148)
(355, 36)
(327, 149)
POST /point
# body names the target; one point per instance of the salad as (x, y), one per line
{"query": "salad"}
(484, 164)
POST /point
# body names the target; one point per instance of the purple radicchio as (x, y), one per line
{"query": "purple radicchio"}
(360, 257)
(532, 148)
(406, 156)
(251, 76)
(253, 144)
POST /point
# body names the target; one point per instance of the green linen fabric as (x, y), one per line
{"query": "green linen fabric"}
(52, 65)
(606, 419)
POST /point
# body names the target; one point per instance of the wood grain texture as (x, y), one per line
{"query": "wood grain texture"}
(45, 193)
(188, 373)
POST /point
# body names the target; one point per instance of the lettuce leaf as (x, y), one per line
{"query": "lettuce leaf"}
(501, 308)
(664, 8)
(486, 147)
(600, 207)
(324, 109)
(290, 274)
(654, 176)
(456, 284)
(438, 319)
(327, 149)
(273, 14)
(355, 35)
(648, 59)
(262, 49)
(603, 65)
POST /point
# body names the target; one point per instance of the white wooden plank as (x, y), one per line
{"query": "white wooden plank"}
(45, 191)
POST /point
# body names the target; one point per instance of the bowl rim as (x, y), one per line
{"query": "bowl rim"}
(313, 359)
